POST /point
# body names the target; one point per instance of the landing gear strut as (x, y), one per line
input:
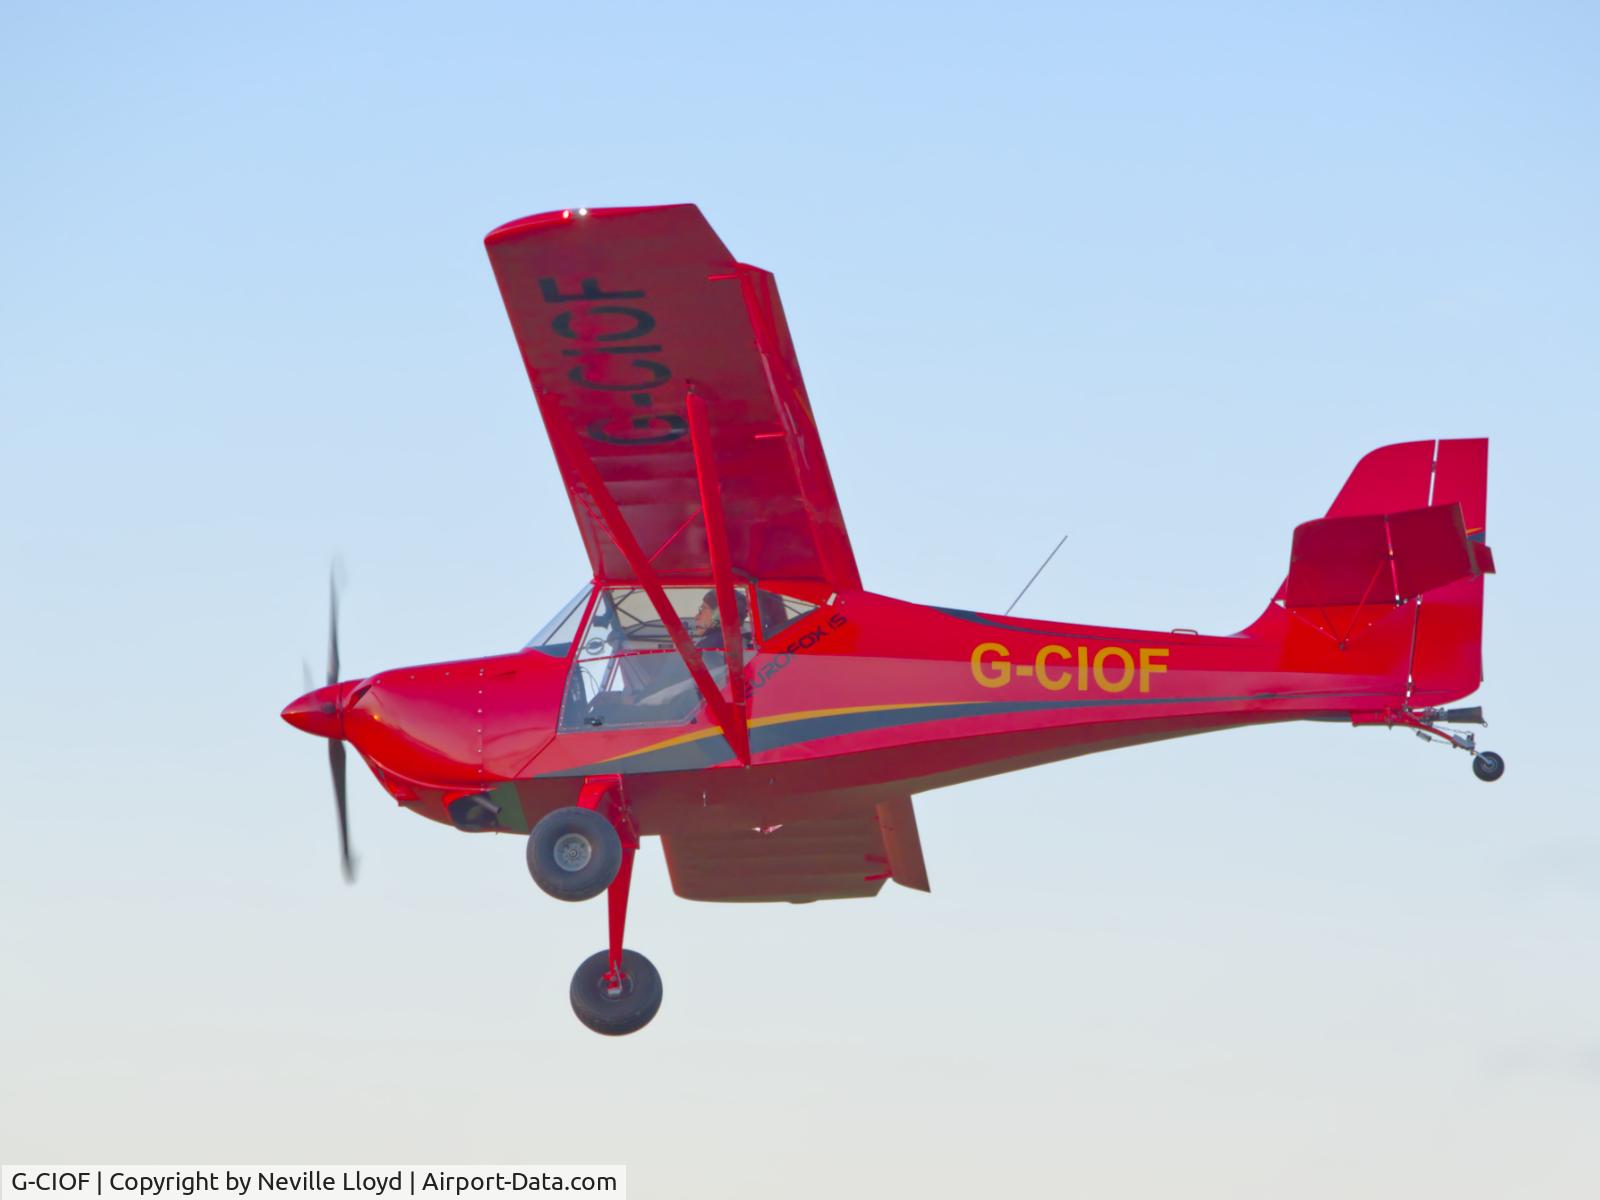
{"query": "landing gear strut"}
(574, 854)
(617, 991)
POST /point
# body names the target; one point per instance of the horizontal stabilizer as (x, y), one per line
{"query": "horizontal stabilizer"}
(1380, 558)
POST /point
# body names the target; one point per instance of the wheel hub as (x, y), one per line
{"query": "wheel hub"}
(572, 852)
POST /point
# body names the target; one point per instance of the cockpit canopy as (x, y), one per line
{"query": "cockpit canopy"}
(625, 669)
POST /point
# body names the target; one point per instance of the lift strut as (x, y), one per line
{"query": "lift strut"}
(610, 518)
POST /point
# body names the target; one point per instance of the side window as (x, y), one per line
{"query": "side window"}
(779, 612)
(627, 673)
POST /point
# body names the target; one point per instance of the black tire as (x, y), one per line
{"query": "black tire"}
(574, 853)
(627, 1012)
(1488, 766)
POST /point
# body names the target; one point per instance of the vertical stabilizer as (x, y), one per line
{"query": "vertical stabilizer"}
(1396, 566)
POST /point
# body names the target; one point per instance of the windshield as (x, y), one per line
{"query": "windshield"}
(555, 639)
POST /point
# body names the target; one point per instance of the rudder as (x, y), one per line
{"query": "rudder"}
(1447, 657)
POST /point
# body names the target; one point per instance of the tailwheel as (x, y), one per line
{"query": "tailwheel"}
(574, 853)
(616, 1001)
(1488, 766)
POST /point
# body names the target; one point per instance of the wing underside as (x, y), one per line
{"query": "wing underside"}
(620, 314)
(831, 858)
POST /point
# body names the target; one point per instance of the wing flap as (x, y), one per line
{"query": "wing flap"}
(897, 821)
(829, 858)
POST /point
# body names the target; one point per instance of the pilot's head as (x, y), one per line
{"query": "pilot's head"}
(707, 618)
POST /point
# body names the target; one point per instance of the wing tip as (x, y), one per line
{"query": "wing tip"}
(566, 216)
(510, 229)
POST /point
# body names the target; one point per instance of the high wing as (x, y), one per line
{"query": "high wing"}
(621, 314)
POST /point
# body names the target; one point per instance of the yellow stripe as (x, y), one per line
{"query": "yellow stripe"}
(713, 731)
(783, 718)
(779, 719)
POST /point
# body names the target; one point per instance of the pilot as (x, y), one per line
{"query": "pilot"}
(708, 624)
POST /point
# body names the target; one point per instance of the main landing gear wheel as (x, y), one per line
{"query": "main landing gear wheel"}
(1488, 766)
(574, 853)
(616, 1007)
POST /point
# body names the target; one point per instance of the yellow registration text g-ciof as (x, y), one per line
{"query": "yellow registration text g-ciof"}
(1057, 668)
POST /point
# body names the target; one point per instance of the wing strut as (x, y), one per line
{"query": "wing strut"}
(788, 394)
(610, 517)
(705, 466)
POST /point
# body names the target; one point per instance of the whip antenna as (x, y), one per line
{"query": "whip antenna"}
(1035, 575)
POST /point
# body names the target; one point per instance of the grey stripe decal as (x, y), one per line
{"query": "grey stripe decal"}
(963, 615)
(712, 751)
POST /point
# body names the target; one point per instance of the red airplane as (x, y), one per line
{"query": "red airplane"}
(726, 683)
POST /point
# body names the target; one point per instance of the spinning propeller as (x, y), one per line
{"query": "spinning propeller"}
(336, 757)
(321, 711)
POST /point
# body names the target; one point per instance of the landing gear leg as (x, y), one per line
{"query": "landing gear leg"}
(617, 991)
(617, 917)
(1486, 764)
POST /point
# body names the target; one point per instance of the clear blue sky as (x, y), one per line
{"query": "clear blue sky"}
(1156, 275)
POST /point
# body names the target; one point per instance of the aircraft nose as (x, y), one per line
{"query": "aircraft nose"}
(316, 712)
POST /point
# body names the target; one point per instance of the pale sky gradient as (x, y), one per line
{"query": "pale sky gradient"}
(1156, 275)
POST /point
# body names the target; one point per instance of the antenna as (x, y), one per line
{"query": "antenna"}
(1035, 575)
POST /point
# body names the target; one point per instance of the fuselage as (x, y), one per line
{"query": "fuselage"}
(859, 696)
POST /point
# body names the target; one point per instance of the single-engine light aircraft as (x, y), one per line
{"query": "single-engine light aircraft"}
(726, 683)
